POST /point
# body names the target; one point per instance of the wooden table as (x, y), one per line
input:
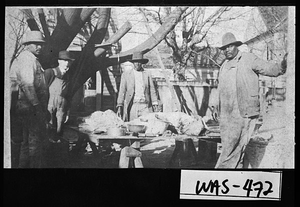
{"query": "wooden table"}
(183, 143)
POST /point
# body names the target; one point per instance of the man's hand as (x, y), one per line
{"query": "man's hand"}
(215, 113)
(120, 111)
(67, 116)
(155, 108)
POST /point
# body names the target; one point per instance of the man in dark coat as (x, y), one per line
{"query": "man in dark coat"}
(137, 95)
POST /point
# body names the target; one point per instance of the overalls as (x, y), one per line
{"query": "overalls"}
(235, 130)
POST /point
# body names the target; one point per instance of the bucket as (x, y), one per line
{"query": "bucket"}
(254, 152)
(116, 131)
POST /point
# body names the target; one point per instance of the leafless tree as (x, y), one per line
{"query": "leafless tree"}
(194, 29)
(60, 26)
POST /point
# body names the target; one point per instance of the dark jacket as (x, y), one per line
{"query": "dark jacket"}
(249, 66)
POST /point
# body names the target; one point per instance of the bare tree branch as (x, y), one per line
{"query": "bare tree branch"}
(188, 13)
(155, 39)
(30, 20)
(196, 38)
(69, 23)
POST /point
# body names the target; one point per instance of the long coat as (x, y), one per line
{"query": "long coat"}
(127, 91)
(239, 104)
(247, 81)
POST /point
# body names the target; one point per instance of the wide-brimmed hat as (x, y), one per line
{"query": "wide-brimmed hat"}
(33, 37)
(138, 57)
(229, 39)
(65, 55)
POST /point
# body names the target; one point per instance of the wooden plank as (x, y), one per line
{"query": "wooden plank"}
(96, 137)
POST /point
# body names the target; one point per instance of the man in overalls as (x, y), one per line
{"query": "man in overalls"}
(238, 99)
(29, 111)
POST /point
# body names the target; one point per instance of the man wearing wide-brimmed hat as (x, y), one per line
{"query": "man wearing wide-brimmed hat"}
(29, 110)
(59, 105)
(137, 95)
(238, 99)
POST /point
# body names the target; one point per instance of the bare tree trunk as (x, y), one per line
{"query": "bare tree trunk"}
(154, 40)
(100, 61)
(44, 24)
(69, 24)
(87, 64)
(113, 39)
(30, 20)
(103, 62)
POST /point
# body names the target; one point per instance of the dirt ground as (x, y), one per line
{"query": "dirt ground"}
(157, 153)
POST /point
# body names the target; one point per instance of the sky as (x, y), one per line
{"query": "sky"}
(138, 33)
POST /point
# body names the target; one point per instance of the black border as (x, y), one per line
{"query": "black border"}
(112, 187)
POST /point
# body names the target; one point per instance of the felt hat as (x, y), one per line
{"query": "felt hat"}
(33, 37)
(138, 57)
(229, 39)
(65, 55)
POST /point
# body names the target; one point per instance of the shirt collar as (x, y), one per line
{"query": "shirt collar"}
(142, 69)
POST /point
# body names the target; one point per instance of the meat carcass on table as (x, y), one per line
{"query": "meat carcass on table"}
(158, 122)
